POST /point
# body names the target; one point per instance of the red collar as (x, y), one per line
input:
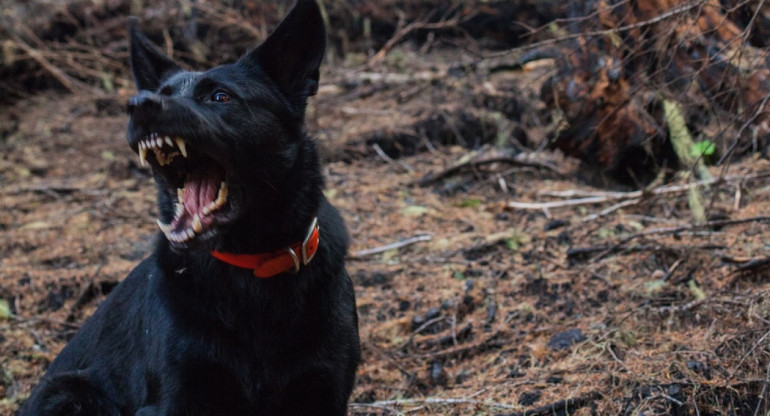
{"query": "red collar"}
(280, 261)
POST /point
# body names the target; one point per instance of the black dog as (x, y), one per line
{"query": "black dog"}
(245, 307)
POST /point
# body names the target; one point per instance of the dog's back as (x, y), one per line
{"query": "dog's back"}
(245, 306)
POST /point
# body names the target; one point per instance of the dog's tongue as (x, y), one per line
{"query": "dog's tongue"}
(200, 189)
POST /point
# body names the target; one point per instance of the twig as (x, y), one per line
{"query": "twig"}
(613, 31)
(683, 308)
(566, 406)
(460, 350)
(431, 400)
(615, 357)
(575, 254)
(392, 246)
(749, 352)
(763, 396)
(515, 160)
(73, 85)
(753, 264)
(416, 25)
(610, 209)
(620, 196)
(390, 160)
(674, 230)
(667, 397)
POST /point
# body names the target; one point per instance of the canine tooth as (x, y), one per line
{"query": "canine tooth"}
(180, 195)
(222, 195)
(168, 141)
(196, 223)
(158, 142)
(142, 154)
(181, 145)
(163, 227)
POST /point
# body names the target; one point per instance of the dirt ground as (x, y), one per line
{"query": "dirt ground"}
(488, 305)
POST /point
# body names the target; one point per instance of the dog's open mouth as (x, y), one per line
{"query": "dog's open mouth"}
(200, 183)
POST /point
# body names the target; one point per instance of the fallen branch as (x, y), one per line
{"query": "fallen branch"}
(391, 404)
(381, 153)
(636, 196)
(577, 253)
(675, 230)
(525, 160)
(74, 86)
(748, 266)
(392, 246)
(600, 33)
(402, 32)
(566, 406)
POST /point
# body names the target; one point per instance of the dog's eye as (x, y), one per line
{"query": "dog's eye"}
(220, 97)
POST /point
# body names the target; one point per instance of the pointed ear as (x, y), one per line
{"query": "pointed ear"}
(292, 54)
(149, 65)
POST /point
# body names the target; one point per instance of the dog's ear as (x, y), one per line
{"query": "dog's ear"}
(149, 65)
(292, 54)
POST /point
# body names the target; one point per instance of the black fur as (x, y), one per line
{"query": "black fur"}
(187, 334)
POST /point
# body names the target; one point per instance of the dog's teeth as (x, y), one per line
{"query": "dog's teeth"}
(190, 233)
(168, 141)
(142, 154)
(222, 195)
(180, 195)
(158, 142)
(181, 145)
(197, 226)
(217, 203)
(163, 227)
(179, 209)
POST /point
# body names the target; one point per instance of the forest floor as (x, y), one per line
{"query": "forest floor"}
(488, 306)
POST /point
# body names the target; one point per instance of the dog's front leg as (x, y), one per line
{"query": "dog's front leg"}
(70, 394)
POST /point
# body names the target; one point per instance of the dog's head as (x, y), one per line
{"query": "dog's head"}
(221, 142)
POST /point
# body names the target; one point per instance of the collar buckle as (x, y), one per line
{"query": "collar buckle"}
(312, 229)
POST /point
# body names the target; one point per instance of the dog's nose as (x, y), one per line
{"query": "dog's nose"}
(144, 99)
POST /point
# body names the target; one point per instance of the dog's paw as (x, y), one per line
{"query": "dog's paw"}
(70, 394)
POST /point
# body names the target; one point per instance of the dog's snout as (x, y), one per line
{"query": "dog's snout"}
(144, 99)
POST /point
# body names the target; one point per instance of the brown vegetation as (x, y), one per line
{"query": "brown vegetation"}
(527, 239)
